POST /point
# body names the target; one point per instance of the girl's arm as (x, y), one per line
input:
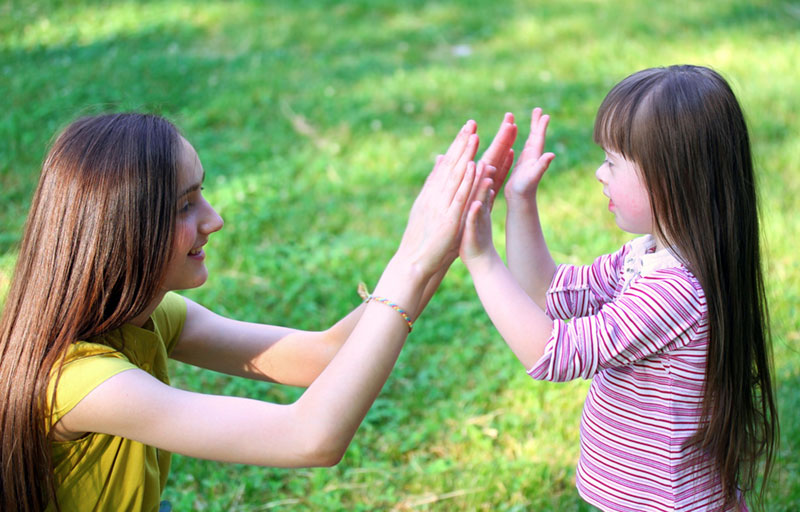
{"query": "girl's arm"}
(317, 428)
(529, 258)
(520, 320)
(292, 356)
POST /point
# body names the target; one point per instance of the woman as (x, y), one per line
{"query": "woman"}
(117, 223)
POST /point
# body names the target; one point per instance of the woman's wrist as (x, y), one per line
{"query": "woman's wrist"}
(402, 282)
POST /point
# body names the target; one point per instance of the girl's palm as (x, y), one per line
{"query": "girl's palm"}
(532, 163)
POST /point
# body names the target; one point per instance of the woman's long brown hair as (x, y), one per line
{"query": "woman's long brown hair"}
(94, 251)
(685, 130)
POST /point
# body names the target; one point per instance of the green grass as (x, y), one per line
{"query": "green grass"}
(317, 122)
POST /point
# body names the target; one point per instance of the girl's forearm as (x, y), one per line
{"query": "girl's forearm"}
(519, 320)
(529, 259)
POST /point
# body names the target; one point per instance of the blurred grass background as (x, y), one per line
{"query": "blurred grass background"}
(317, 121)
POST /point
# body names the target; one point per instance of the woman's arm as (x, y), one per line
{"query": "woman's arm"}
(259, 351)
(313, 431)
(297, 357)
(318, 427)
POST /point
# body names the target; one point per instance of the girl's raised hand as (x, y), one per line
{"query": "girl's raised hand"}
(532, 163)
(476, 244)
(433, 232)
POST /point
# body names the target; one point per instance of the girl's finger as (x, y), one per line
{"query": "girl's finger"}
(538, 133)
(492, 197)
(482, 170)
(471, 225)
(485, 190)
(509, 161)
(499, 174)
(542, 164)
(534, 145)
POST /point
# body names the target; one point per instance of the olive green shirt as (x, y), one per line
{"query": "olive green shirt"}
(99, 471)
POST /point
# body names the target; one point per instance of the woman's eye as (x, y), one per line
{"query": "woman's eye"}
(185, 207)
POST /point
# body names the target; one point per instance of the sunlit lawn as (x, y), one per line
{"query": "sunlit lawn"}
(317, 122)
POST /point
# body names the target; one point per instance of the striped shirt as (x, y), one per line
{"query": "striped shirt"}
(635, 322)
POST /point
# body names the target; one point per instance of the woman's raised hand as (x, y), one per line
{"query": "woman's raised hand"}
(532, 163)
(433, 232)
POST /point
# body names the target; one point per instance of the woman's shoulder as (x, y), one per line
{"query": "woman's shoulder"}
(169, 318)
(85, 365)
(81, 350)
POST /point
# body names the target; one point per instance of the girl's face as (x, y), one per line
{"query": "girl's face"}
(628, 198)
(196, 220)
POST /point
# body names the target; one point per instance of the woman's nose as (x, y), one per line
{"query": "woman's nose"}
(213, 222)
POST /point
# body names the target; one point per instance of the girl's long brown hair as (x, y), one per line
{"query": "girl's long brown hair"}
(684, 128)
(94, 251)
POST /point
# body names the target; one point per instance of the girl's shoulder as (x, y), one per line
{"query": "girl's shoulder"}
(641, 263)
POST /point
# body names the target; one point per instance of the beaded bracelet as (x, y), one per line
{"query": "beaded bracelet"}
(364, 293)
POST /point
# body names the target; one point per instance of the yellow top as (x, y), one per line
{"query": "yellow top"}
(102, 472)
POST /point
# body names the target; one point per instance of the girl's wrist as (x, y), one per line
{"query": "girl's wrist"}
(482, 263)
(521, 205)
(515, 196)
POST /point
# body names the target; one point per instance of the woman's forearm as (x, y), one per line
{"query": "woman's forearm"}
(334, 405)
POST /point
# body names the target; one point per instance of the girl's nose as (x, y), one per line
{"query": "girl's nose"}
(600, 173)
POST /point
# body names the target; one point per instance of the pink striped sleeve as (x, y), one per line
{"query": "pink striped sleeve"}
(662, 311)
(581, 290)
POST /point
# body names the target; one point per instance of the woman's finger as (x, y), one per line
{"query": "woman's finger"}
(496, 153)
(456, 174)
(464, 191)
(459, 144)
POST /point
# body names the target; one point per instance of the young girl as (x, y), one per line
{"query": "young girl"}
(672, 328)
(118, 221)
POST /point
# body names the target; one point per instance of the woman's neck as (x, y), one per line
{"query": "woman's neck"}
(141, 319)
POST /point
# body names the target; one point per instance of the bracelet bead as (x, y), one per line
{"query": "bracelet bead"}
(364, 293)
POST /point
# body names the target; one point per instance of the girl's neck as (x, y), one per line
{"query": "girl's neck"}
(659, 243)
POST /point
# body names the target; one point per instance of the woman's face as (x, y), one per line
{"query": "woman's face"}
(196, 220)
